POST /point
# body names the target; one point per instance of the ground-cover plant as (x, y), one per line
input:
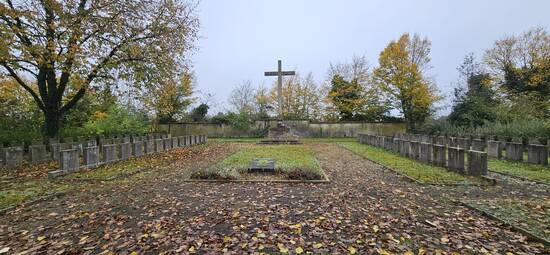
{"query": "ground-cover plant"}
(417, 170)
(525, 170)
(532, 215)
(292, 161)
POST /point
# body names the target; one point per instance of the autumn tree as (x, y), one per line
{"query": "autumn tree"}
(171, 97)
(521, 67)
(242, 98)
(67, 47)
(402, 75)
(372, 106)
(301, 97)
(474, 99)
(346, 97)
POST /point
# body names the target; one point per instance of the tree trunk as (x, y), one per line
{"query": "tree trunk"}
(52, 123)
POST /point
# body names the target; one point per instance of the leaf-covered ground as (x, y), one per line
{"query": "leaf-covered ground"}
(364, 210)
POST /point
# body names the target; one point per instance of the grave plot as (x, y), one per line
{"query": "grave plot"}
(413, 169)
(529, 216)
(265, 163)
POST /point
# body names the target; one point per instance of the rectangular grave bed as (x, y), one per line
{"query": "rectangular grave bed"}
(254, 162)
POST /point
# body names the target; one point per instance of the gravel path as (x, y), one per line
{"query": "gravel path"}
(363, 210)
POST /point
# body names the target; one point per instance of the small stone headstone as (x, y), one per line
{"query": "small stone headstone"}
(262, 165)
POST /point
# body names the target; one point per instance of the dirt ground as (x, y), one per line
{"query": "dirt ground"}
(363, 210)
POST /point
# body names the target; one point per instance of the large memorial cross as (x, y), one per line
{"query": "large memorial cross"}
(280, 73)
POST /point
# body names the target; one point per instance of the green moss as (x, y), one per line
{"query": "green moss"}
(525, 170)
(417, 170)
(17, 193)
(530, 214)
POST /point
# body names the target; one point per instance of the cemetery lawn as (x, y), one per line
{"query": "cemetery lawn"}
(532, 215)
(528, 171)
(417, 170)
(296, 162)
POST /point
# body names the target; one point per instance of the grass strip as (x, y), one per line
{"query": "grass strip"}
(293, 161)
(528, 216)
(423, 173)
(527, 171)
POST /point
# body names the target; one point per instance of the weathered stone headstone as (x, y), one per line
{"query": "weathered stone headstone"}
(159, 145)
(404, 148)
(182, 141)
(38, 153)
(426, 152)
(477, 163)
(439, 155)
(55, 148)
(537, 154)
(396, 142)
(478, 145)
(109, 153)
(13, 156)
(494, 149)
(456, 159)
(463, 143)
(149, 146)
(168, 144)
(175, 142)
(262, 165)
(514, 151)
(137, 148)
(91, 157)
(125, 151)
(69, 161)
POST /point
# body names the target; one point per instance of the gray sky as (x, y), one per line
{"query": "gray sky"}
(240, 39)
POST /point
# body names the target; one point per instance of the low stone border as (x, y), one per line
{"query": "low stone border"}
(512, 226)
(518, 177)
(411, 179)
(111, 178)
(326, 180)
(32, 202)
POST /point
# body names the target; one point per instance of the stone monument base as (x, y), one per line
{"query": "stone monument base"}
(280, 135)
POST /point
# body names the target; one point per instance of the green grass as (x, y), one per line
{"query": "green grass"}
(303, 140)
(521, 169)
(294, 161)
(17, 193)
(419, 171)
(110, 170)
(531, 214)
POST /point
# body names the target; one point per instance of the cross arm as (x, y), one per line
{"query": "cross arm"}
(275, 73)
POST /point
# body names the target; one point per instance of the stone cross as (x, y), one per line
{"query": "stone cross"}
(280, 73)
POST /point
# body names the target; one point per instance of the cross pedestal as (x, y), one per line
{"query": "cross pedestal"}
(280, 134)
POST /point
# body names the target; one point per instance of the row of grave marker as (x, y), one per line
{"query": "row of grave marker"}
(12, 157)
(536, 153)
(39, 152)
(430, 153)
(69, 160)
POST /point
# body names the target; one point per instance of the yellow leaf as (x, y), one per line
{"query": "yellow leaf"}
(375, 228)
(226, 239)
(40, 238)
(282, 248)
(299, 250)
(409, 253)
(352, 250)
(317, 245)
(134, 253)
(192, 249)
(421, 251)
(384, 252)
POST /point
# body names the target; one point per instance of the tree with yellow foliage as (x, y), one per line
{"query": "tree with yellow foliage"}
(401, 74)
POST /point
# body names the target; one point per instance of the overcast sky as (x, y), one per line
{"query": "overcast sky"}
(240, 39)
